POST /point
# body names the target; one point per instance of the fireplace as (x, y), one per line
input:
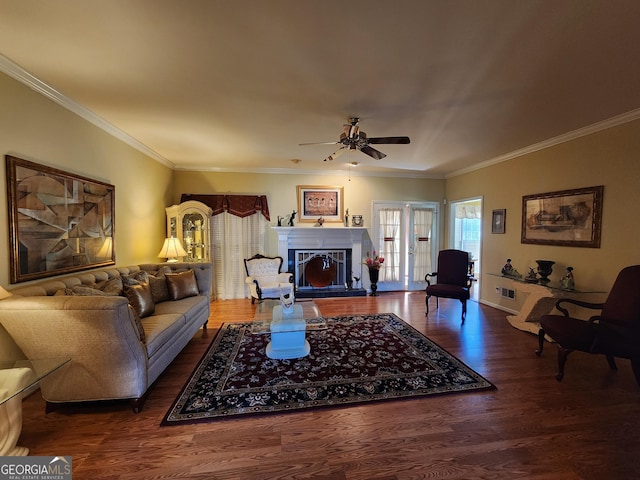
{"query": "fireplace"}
(321, 267)
(324, 260)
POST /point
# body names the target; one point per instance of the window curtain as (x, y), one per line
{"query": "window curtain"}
(390, 244)
(422, 233)
(239, 226)
(234, 239)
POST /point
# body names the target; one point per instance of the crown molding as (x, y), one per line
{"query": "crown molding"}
(18, 73)
(292, 171)
(565, 137)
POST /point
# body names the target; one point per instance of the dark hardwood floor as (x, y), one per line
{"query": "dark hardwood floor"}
(585, 427)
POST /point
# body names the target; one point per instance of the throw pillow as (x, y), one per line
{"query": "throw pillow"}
(158, 282)
(135, 278)
(83, 290)
(113, 286)
(182, 285)
(140, 299)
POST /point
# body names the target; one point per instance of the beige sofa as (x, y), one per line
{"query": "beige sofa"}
(115, 352)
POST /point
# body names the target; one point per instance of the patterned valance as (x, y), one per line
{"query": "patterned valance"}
(238, 205)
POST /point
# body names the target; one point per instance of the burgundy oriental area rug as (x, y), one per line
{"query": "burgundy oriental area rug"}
(355, 359)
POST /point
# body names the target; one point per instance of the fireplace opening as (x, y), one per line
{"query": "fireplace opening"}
(320, 268)
(320, 271)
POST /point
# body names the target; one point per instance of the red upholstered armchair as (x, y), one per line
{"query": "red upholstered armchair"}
(454, 280)
(613, 333)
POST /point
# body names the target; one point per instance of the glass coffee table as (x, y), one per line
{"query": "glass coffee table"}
(265, 311)
(287, 326)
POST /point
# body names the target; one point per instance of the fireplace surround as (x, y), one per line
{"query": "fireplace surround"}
(338, 249)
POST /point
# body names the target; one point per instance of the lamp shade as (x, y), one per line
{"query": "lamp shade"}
(171, 249)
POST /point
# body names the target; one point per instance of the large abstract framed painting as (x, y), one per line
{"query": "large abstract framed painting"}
(567, 218)
(320, 201)
(59, 222)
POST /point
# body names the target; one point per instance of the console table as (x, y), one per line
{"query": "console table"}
(16, 377)
(541, 300)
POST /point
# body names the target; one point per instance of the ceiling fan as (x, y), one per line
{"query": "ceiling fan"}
(354, 139)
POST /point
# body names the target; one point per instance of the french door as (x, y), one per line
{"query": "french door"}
(405, 234)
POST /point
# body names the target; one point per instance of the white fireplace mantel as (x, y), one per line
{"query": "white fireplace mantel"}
(299, 238)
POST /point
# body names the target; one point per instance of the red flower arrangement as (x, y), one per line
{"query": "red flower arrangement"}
(374, 260)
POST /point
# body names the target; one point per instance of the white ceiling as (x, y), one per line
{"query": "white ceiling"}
(237, 85)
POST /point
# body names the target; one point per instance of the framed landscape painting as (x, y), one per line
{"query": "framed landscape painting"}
(59, 222)
(320, 201)
(566, 218)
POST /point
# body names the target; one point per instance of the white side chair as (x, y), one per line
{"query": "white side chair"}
(265, 279)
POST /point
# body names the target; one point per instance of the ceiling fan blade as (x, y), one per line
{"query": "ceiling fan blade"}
(336, 154)
(388, 140)
(372, 152)
(319, 143)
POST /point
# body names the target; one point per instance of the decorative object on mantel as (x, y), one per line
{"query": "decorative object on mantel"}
(280, 220)
(356, 221)
(319, 222)
(292, 217)
(531, 277)
(373, 263)
(509, 271)
(545, 268)
(346, 218)
(567, 281)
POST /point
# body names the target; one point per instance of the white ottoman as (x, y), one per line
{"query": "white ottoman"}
(288, 330)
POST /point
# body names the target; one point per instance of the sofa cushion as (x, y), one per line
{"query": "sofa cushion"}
(161, 329)
(182, 285)
(140, 299)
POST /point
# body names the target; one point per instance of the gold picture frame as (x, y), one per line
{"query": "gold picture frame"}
(315, 201)
(59, 222)
(571, 218)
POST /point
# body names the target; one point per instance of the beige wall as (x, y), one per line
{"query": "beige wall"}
(359, 192)
(35, 128)
(608, 158)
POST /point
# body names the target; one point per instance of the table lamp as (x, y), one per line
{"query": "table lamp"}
(171, 249)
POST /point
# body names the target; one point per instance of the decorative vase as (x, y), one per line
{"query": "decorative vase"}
(373, 277)
(544, 270)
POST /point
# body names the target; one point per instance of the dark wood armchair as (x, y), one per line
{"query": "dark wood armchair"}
(453, 279)
(615, 332)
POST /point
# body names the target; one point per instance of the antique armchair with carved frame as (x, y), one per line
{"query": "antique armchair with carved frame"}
(265, 280)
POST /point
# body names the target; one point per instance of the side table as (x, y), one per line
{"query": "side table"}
(16, 377)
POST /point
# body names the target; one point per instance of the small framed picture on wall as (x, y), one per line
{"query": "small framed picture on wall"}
(498, 219)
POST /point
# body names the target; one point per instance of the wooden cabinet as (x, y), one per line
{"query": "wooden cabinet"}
(190, 222)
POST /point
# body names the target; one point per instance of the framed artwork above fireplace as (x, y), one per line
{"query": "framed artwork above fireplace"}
(315, 201)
